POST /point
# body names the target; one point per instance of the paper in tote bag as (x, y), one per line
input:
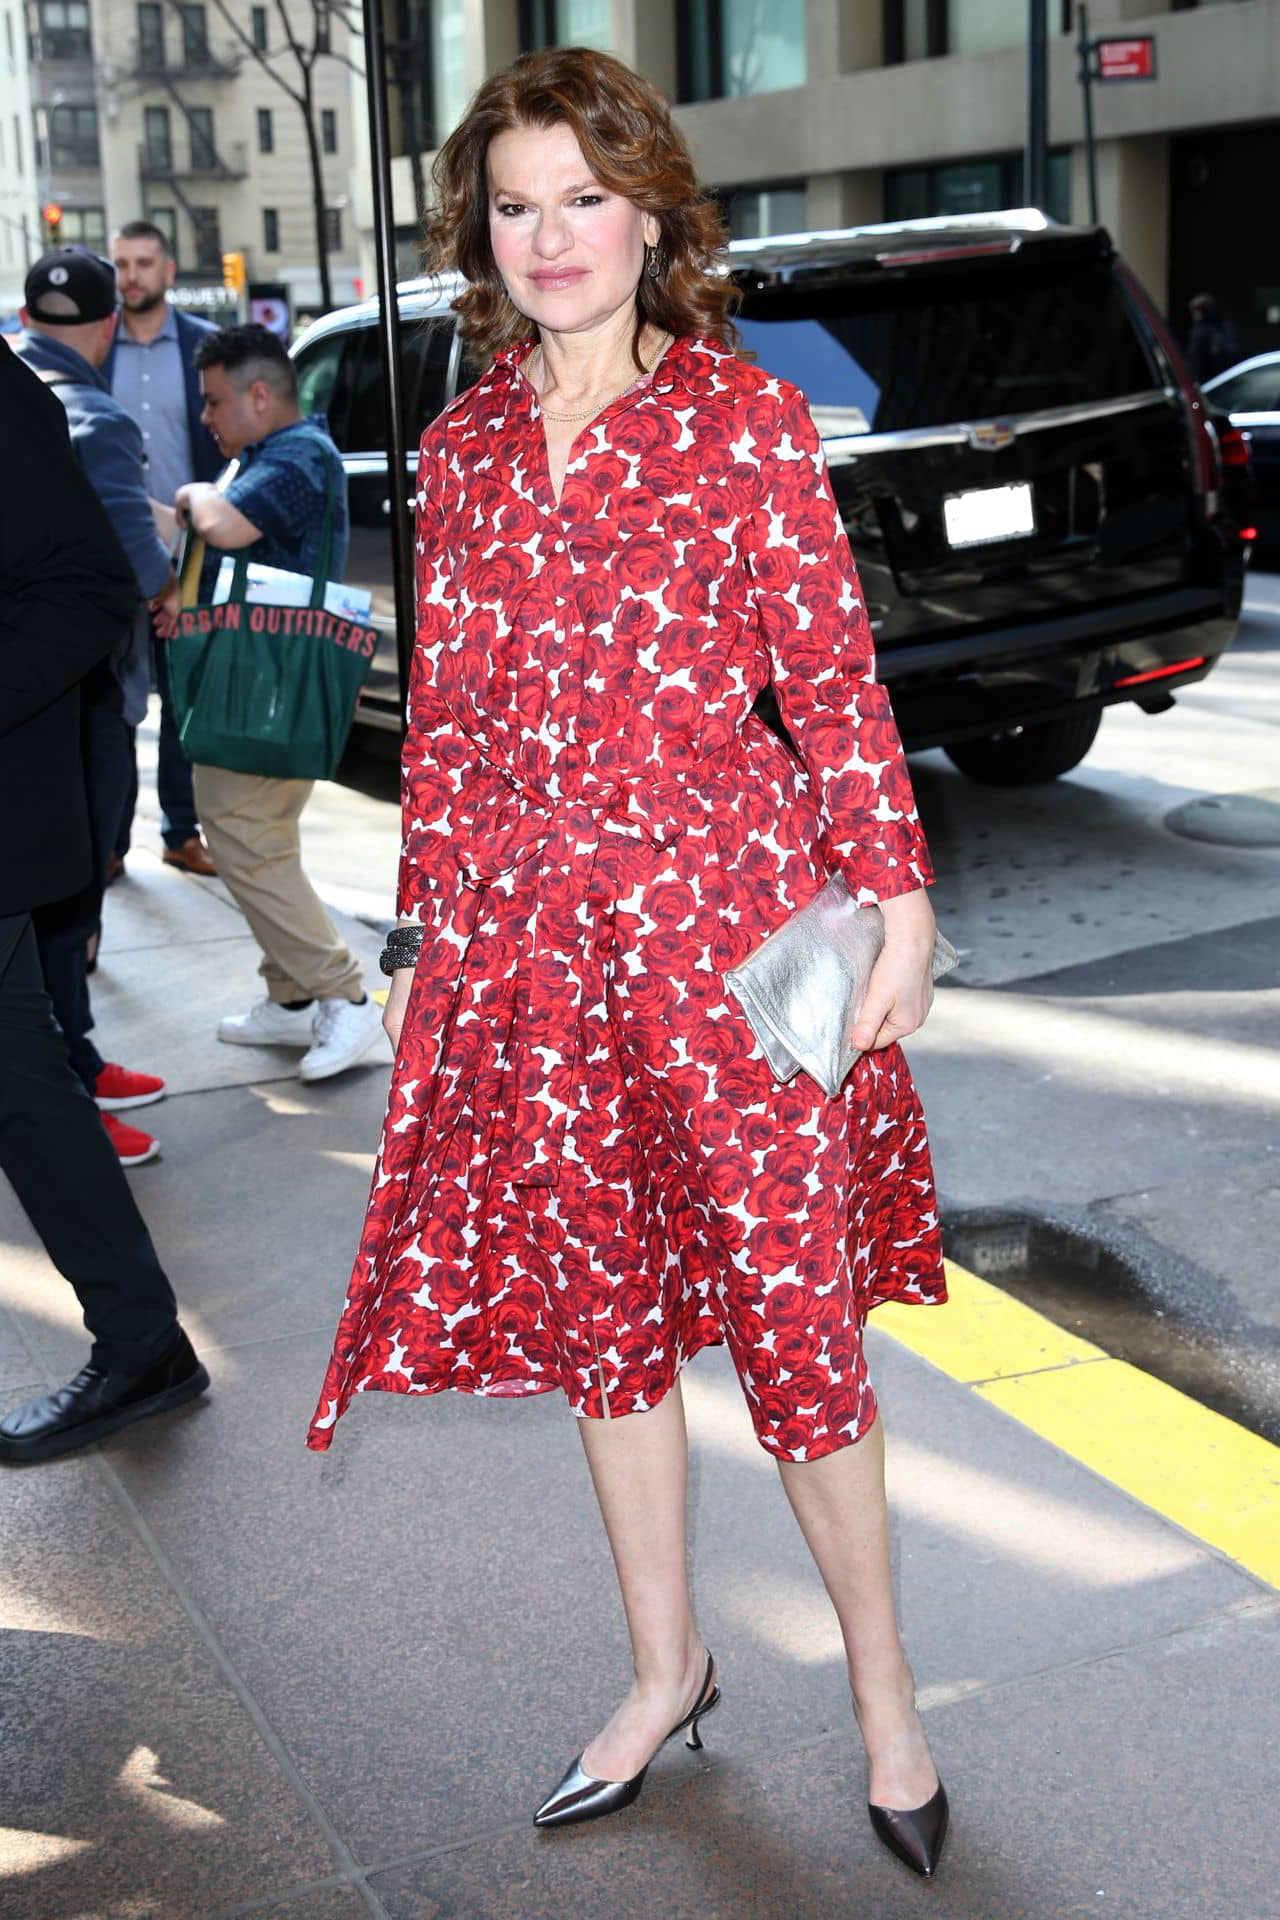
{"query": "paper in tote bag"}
(265, 688)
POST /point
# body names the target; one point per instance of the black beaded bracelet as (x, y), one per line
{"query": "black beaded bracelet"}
(404, 944)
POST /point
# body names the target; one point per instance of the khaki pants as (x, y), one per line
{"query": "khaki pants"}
(251, 825)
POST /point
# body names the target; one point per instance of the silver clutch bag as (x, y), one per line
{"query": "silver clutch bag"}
(802, 989)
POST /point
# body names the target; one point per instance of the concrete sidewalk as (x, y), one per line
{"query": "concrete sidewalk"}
(244, 1679)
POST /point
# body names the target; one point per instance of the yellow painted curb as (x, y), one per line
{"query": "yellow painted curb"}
(1193, 1466)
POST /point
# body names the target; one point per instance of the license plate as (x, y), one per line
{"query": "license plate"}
(990, 513)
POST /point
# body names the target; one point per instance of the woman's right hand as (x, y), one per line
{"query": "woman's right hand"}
(397, 1001)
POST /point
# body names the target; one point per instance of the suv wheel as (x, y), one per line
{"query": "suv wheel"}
(1027, 755)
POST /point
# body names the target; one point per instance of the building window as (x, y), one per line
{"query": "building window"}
(258, 28)
(73, 137)
(752, 212)
(84, 227)
(270, 230)
(150, 35)
(166, 218)
(195, 36)
(17, 143)
(266, 133)
(157, 142)
(208, 238)
(740, 46)
(972, 186)
(927, 29)
(329, 129)
(204, 152)
(324, 37)
(64, 31)
(448, 66)
(333, 229)
(565, 23)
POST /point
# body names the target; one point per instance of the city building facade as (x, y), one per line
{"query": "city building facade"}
(170, 112)
(19, 217)
(827, 113)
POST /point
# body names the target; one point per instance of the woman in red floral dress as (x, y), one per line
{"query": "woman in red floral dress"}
(588, 1171)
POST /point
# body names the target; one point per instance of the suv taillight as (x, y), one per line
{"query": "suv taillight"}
(1234, 449)
(1205, 470)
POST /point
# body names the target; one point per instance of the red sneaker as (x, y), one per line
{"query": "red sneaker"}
(116, 1088)
(132, 1145)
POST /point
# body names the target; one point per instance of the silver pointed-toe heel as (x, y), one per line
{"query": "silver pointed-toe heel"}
(915, 1835)
(580, 1796)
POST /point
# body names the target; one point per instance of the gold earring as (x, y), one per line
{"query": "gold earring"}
(653, 262)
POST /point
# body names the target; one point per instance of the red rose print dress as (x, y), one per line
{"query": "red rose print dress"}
(588, 1171)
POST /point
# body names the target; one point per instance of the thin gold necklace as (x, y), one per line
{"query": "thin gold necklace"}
(571, 419)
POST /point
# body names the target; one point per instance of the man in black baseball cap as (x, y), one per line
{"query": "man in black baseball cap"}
(71, 287)
(69, 321)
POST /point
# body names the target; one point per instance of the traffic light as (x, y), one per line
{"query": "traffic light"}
(52, 217)
(233, 273)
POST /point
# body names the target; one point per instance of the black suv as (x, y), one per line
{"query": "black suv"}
(1030, 480)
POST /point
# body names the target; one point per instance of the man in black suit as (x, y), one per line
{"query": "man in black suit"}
(66, 594)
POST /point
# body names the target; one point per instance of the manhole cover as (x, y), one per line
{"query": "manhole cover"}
(1096, 1292)
(1230, 819)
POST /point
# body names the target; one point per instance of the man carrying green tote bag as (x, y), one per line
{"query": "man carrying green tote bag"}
(276, 720)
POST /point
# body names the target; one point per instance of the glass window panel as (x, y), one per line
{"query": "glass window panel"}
(258, 27)
(756, 211)
(448, 66)
(208, 237)
(150, 34)
(73, 136)
(158, 147)
(166, 218)
(329, 129)
(764, 45)
(195, 36)
(915, 30)
(585, 23)
(204, 153)
(266, 133)
(974, 26)
(270, 230)
(1256, 391)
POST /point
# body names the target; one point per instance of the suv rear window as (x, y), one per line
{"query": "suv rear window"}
(928, 348)
(340, 375)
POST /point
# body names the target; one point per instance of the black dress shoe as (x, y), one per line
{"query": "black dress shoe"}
(96, 1403)
(916, 1836)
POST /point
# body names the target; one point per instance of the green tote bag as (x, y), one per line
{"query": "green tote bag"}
(269, 689)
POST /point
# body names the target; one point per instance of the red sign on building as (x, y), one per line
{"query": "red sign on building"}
(1133, 59)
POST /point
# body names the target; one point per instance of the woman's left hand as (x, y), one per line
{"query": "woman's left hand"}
(900, 990)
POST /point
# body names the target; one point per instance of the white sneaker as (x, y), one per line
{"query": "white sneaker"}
(345, 1033)
(268, 1024)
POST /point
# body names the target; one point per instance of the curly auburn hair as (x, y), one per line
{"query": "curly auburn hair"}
(623, 126)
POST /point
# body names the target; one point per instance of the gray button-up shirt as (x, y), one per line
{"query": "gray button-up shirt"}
(150, 384)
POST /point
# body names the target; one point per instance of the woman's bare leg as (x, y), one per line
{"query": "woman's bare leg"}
(639, 1466)
(844, 1516)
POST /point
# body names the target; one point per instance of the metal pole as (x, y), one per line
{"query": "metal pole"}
(1035, 167)
(375, 61)
(1085, 51)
